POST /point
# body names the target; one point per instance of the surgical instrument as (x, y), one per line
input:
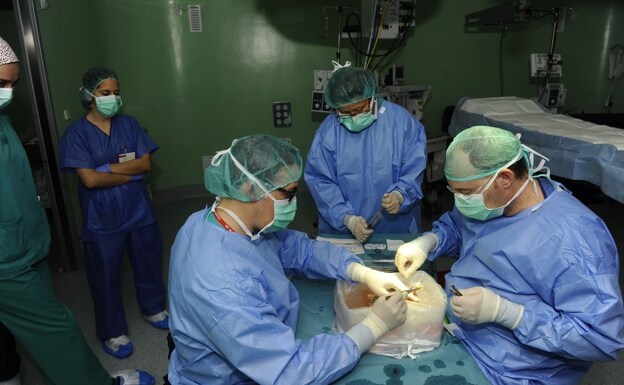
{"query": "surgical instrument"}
(375, 219)
(455, 291)
(406, 292)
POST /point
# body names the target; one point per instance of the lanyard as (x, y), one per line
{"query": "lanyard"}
(222, 222)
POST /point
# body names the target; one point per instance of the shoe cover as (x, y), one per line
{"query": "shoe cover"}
(119, 347)
(159, 320)
(134, 377)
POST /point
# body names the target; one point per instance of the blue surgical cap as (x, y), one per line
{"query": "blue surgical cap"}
(349, 85)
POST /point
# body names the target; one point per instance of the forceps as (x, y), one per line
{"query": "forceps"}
(455, 291)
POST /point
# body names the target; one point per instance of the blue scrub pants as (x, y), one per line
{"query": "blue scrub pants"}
(47, 329)
(104, 260)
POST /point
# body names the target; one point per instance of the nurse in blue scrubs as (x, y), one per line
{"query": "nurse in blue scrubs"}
(111, 154)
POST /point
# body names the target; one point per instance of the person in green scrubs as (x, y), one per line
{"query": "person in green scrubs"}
(29, 309)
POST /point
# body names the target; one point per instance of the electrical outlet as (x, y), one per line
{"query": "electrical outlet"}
(282, 114)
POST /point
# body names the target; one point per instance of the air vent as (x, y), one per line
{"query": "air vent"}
(195, 20)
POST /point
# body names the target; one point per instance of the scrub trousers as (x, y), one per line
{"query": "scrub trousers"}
(47, 329)
(103, 264)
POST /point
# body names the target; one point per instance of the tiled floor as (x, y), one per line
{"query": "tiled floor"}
(150, 345)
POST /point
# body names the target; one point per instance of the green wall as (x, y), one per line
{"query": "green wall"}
(195, 92)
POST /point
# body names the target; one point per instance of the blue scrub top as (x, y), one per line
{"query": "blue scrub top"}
(559, 260)
(24, 229)
(234, 311)
(348, 173)
(116, 209)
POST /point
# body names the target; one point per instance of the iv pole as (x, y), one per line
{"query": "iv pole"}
(338, 9)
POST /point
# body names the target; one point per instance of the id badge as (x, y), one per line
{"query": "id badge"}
(127, 156)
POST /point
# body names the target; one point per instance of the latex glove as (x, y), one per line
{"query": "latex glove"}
(386, 314)
(411, 255)
(103, 168)
(392, 202)
(380, 283)
(479, 305)
(358, 227)
(137, 177)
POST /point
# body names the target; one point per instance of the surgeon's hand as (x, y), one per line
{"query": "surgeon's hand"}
(411, 255)
(386, 314)
(103, 168)
(392, 202)
(479, 305)
(358, 227)
(380, 283)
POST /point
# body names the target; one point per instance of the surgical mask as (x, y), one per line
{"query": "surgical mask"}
(6, 95)
(109, 105)
(473, 205)
(361, 121)
(284, 214)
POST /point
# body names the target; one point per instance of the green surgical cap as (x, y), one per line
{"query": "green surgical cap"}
(480, 151)
(349, 85)
(91, 80)
(270, 161)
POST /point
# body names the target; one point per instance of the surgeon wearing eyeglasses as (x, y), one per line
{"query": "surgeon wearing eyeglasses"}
(367, 157)
(233, 307)
(538, 297)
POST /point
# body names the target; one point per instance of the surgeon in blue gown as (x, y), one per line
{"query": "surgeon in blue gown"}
(233, 307)
(537, 270)
(111, 154)
(368, 156)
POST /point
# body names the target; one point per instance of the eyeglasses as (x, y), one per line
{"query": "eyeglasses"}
(290, 194)
(470, 195)
(365, 108)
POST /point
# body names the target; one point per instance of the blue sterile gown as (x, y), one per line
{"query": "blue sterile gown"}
(348, 173)
(557, 259)
(234, 311)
